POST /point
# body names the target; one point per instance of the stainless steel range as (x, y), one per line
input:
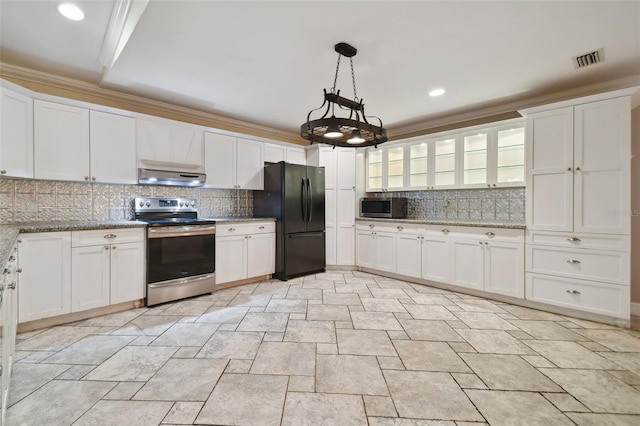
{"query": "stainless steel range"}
(181, 249)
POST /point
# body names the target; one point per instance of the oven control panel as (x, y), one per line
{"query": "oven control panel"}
(168, 204)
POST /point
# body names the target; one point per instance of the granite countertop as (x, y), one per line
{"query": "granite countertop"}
(241, 219)
(9, 232)
(450, 222)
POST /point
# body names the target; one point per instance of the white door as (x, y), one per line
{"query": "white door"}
(296, 155)
(112, 148)
(345, 206)
(90, 276)
(127, 272)
(365, 248)
(602, 167)
(385, 251)
(187, 146)
(231, 258)
(261, 254)
(436, 258)
(45, 282)
(250, 162)
(61, 146)
(220, 160)
(409, 255)
(153, 141)
(16, 134)
(468, 263)
(550, 170)
(504, 268)
(274, 153)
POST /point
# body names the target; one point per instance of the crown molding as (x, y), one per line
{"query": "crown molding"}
(502, 110)
(50, 84)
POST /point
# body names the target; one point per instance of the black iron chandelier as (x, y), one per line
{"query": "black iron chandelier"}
(352, 130)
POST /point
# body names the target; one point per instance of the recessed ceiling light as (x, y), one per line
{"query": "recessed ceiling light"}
(436, 92)
(71, 11)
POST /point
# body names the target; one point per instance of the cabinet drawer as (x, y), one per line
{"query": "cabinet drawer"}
(106, 236)
(246, 228)
(400, 227)
(600, 298)
(571, 240)
(608, 266)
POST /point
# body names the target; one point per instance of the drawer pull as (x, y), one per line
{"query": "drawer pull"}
(573, 292)
(489, 234)
(445, 231)
(261, 227)
(573, 240)
(573, 261)
(399, 228)
(371, 226)
(232, 229)
(110, 236)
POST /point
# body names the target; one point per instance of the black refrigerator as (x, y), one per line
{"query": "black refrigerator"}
(294, 195)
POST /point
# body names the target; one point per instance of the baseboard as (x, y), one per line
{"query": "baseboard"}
(635, 309)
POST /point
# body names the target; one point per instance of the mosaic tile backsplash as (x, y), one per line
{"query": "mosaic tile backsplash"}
(26, 200)
(491, 205)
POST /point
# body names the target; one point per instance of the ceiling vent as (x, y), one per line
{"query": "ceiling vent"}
(587, 59)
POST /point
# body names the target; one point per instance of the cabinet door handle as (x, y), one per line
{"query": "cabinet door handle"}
(106, 247)
(114, 247)
(110, 236)
(574, 240)
(573, 292)
(573, 261)
(86, 178)
(489, 234)
(19, 270)
(3, 172)
(568, 169)
(577, 169)
(93, 178)
(399, 228)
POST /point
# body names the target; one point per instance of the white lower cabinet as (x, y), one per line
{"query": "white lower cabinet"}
(9, 322)
(244, 250)
(588, 272)
(44, 289)
(484, 259)
(436, 256)
(73, 271)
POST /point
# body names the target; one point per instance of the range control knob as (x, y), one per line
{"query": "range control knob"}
(148, 203)
(181, 204)
(141, 203)
(193, 203)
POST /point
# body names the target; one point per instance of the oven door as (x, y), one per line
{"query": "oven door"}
(178, 252)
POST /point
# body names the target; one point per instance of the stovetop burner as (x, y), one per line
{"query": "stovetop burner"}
(168, 211)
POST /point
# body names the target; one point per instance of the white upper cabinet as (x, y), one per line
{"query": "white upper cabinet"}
(296, 155)
(170, 145)
(73, 143)
(274, 153)
(113, 148)
(385, 168)
(479, 157)
(232, 162)
(578, 168)
(16, 134)
(61, 141)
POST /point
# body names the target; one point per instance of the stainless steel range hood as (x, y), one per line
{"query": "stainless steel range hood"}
(164, 177)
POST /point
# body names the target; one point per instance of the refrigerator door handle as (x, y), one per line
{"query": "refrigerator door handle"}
(303, 199)
(310, 200)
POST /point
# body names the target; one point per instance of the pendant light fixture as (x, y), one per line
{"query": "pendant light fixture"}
(352, 129)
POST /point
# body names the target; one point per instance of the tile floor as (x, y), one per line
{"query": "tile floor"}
(333, 349)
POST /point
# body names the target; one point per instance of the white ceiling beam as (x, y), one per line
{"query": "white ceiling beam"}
(124, 18)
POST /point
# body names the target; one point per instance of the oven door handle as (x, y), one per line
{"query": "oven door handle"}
(181, 231)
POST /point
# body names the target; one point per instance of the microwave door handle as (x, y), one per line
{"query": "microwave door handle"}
(310, 200)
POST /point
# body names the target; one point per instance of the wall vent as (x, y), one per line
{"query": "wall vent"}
(587, 59)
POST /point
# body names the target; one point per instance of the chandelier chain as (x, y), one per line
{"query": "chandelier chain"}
(353, 79)
(335, 79)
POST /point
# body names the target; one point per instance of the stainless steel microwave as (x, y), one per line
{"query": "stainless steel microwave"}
(383, 207)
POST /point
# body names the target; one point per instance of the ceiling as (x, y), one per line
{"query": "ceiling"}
(266, 62)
